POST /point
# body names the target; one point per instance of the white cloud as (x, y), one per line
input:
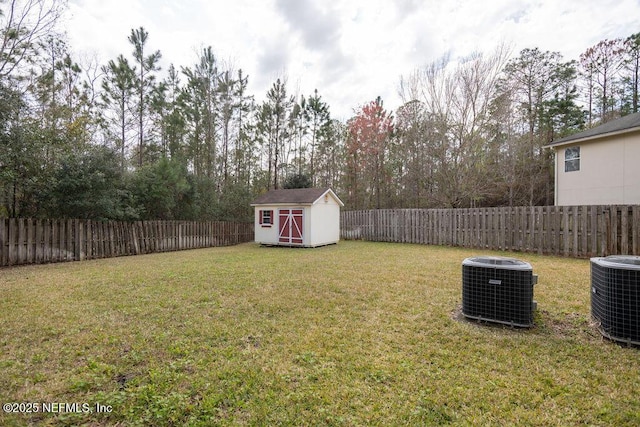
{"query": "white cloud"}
(319, 29)
(350, 50)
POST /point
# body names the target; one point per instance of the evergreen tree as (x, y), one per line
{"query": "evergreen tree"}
(298, 181)
(272, 128)
(200, 108)
(244, 149)
(174, 127)
(118, 101)
(161, 190)
(632, 67)
(144, 83)
(89, 184)
(317, 113)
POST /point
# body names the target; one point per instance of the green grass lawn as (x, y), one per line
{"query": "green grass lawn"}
(352, 334)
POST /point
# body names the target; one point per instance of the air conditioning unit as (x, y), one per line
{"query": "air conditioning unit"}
(615, 297)
(498, 289)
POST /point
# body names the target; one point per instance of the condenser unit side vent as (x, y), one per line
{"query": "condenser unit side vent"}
(615, 297)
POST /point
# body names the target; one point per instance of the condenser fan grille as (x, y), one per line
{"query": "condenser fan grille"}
(615, 297)
(498, 290)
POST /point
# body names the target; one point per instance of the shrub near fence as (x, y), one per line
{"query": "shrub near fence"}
(31, 241)
(578, 231)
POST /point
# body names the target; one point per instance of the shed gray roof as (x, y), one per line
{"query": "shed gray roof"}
(624, 124)
(302, 196)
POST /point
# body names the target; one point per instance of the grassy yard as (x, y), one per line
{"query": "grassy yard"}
(353, 334)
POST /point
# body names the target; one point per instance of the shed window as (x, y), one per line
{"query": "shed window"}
(266, 218)
(572, 159)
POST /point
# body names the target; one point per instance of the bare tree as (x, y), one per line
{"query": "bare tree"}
(23, 23)
(456, 99)
(601, 64)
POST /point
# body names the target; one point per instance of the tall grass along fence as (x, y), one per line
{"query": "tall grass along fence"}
(578, 231)
(34, 241)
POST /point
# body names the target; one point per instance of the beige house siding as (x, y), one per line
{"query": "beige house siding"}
(609, 172)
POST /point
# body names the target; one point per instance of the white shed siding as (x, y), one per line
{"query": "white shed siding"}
(266, 235)
(325, 217)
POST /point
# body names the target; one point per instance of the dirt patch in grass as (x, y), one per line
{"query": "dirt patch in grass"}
(546, 323)
(567, 325)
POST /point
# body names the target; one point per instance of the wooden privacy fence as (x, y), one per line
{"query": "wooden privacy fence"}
(578, 231)
(34, 241)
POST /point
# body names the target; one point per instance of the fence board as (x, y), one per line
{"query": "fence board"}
(28, 241)
(4, 244)
(21, 239)
(624, 227)
(577, 231)
(584, 226)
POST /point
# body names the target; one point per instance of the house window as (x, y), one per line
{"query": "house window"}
(266, 218)
(572, 159)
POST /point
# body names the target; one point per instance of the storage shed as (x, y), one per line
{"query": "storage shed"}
(306, 217)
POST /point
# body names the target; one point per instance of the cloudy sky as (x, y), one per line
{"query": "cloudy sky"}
(350, 50)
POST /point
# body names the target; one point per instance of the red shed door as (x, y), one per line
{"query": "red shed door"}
(290, 226)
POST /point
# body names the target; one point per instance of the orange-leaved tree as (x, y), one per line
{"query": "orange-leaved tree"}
(367, 150)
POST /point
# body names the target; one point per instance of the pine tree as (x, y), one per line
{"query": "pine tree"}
(632, 66)
(145, 81)
(118, 88)
(273, 117)
(317, 113)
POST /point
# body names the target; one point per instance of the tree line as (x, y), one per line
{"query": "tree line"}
(127, 140)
